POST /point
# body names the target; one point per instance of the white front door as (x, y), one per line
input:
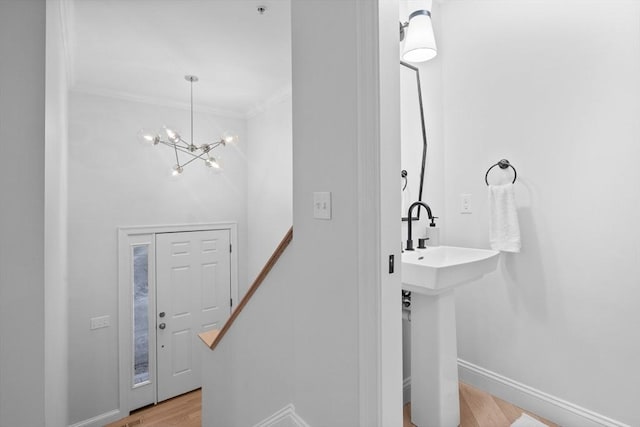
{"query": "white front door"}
(193, 295)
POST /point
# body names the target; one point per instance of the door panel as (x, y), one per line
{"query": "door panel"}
(194, 293)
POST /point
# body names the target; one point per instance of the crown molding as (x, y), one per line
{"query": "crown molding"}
(131, 97)
(276, 98)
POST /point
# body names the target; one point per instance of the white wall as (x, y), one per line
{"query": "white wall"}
(324, 279)
(411, 138)
(553, 86)
(116, 181)
(22, 132)
(433, 191)
(269, 169)
(250, 374)
(56, 295)
(241, 390)
(305, 347)
(297, 341)
(432, 98)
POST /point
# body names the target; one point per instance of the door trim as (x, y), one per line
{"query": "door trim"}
(378, 162)
(128, 236)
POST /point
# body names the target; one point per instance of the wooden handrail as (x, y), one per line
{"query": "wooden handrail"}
(213, 337)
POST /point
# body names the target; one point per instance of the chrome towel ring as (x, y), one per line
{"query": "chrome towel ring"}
(504, 163)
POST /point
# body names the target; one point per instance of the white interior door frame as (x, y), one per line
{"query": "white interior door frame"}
(379, 233)
(128, 237)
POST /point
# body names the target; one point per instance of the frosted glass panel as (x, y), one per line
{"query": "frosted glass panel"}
(140, 314)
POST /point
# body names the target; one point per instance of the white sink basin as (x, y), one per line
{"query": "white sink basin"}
(437, 269)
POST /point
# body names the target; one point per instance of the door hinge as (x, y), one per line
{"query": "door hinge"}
(231, 302)
(230, 248)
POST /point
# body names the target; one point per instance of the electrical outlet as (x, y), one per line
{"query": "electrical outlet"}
(322, 205)
(465, 203)
(100, 322)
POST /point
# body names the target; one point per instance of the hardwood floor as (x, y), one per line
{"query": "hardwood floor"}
(480, 409)
(477, 409)
(182, 411)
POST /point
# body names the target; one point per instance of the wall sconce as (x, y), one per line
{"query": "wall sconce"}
(420, 45)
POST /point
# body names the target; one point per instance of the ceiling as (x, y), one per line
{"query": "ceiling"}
(142, 49)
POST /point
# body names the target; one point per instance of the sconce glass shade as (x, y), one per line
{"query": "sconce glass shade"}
(420, 43)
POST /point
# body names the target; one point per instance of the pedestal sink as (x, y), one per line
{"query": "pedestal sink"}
(431, 275)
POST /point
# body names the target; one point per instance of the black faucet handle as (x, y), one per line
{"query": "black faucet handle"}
(422, 243)
(409, 245)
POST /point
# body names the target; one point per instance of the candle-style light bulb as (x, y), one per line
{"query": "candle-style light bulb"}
(148, 137)
(177, 170)
(173, 136)
(229, 137)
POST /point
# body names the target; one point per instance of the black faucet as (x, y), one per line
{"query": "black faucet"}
(413, 205)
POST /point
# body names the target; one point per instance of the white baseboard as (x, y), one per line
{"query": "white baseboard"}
(553, 408)
(285, 417)
(100, 420)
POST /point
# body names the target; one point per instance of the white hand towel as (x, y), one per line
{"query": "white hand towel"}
(504, 230)
(527, 421)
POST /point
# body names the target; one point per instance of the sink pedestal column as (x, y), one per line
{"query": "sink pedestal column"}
(435, 400)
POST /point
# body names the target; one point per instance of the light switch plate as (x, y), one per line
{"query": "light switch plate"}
(322, 205)
(465, 203)
(100, 322)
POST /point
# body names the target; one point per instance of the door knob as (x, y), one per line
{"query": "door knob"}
(162, 325)
(161, 314)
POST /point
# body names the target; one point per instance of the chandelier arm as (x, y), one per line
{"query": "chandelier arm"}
(185, 151)
(172, 145)
(175, 149)
(214, 145)
(189, 152)
(194, 158)
(167, 143)
(186, 144)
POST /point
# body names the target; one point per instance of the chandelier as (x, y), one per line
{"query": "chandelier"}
(187, 149)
